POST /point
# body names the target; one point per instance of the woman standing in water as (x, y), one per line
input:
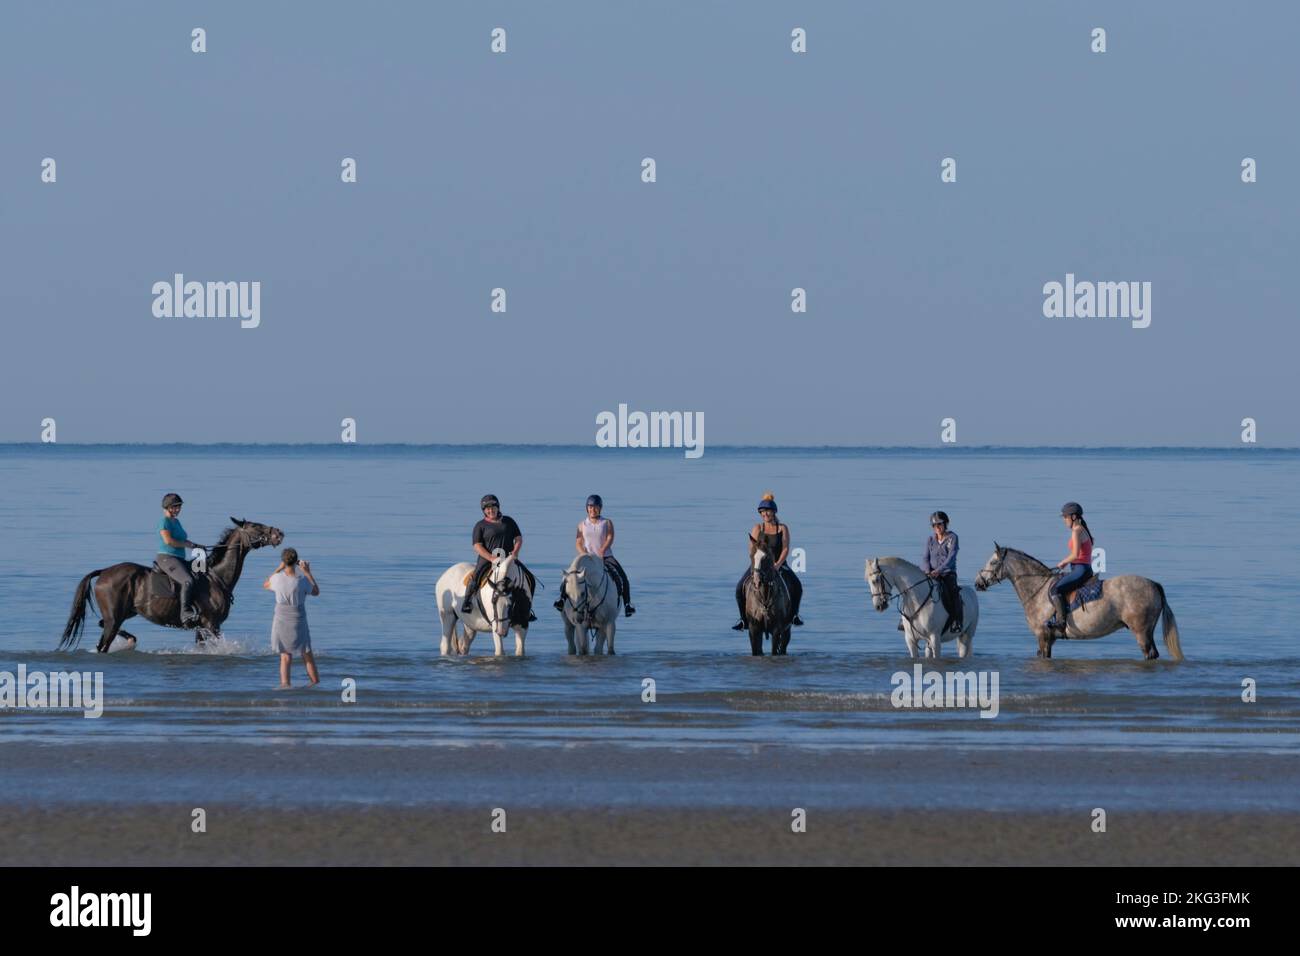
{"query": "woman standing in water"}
(289, 633)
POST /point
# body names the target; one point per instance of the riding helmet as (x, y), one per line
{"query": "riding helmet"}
(939, 516)
(595, 500)
(1071, 509)
(171, 500)
(488, 500)
(768, 503)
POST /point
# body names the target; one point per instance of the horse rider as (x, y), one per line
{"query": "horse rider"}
(1077, 565)
(495, 533)
(596, 537)
(939, 562)
(171, 554)
(773, 537)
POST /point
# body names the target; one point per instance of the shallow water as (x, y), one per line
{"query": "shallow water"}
(380, 524)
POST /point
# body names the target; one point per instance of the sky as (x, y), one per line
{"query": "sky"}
(775, 170)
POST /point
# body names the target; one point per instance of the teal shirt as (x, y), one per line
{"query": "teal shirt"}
(173, 527)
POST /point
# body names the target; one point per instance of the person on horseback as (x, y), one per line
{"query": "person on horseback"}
(773, 537)
(171, 554)
(596, 537)
(1077, 565)
(940, 563)
(495, 533)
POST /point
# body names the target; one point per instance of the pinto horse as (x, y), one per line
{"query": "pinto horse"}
(504, 601)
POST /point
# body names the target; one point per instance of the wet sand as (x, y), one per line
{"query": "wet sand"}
(431, 836)
(308, 804)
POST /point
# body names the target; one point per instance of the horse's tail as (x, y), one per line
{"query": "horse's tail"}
(1172, 644)
(77, 618)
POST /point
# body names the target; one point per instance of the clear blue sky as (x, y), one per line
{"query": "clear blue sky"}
(775, 171)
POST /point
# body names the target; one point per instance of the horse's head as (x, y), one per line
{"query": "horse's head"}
(253, 535)
(503, 592)
(993, 570)
(578, 581)
(880, 588)
(763, 572)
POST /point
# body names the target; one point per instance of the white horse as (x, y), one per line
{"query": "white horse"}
(921, 607)
(591, 604)
(501, 589)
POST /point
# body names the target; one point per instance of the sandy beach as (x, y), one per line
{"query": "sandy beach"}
(608, 805)
(433, 836)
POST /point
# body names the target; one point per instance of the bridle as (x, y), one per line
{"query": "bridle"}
(504, 586)
(584, 610)
(1047, 574)
(766, 588)
(897, 593)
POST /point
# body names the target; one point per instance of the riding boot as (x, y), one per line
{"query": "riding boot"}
(188, 612)
(740, 625)
(467, 605)
(1057, 621)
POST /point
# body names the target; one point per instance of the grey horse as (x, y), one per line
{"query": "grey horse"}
(768, 608)
(1126, 601)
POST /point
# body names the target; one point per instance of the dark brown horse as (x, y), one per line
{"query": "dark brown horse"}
(125, 590)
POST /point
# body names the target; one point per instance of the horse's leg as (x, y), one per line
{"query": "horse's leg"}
(909, 638)
(568, 635)
(447, 621)
(611, 626)
(499, 650)
(1145, 633)
(521, 635)
(963, 644)
(111, 627)
(755, 640)
(130, 638)
(465, 639)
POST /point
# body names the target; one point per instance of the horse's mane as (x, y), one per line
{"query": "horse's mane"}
(892, 559)
(224, 541)
(1022, 554)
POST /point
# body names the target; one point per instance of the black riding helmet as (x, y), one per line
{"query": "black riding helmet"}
(939, 516)
(595, 500)
(172, 500)
(487, 500)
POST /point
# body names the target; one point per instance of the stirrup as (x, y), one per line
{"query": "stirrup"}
(739, 625)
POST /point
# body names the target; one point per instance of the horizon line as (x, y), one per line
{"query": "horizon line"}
(664, 448)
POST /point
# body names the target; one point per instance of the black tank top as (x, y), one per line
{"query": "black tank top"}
(773, 544)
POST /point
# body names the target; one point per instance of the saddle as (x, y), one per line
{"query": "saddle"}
(1090, 591)
(162, 586)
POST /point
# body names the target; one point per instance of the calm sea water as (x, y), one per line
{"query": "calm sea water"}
(379, 525)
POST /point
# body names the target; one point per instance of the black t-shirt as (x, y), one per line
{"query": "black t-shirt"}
(497, 534)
